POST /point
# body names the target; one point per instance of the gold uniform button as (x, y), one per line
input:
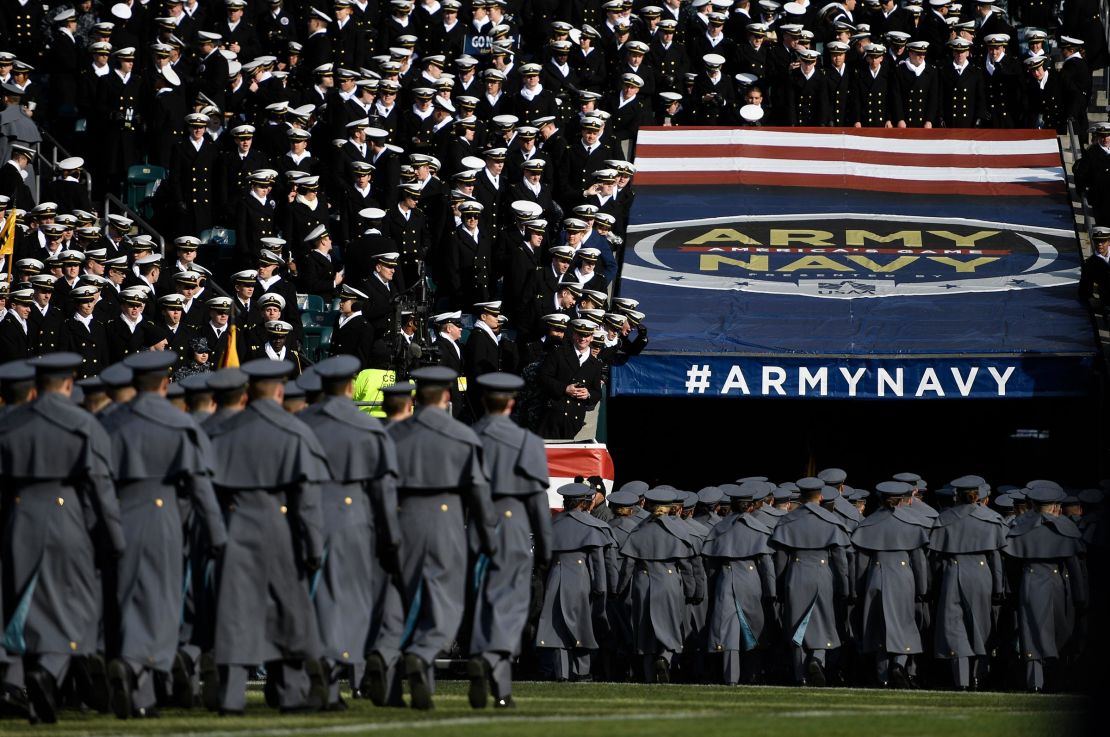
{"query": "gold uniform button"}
(61, 502)
(346, 655)
(579, 561)
(508, 513)
(72, 645)
(443, 507)
(284, 509)
(158, 503)
(903, 562)
(348, 501)
(982, 563)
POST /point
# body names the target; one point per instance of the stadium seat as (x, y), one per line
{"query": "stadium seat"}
(142, 181)
(317, 342)
(315, 303)
(319, 318)
(223, 237)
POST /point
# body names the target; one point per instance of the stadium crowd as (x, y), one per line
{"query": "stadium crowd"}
(345, 195)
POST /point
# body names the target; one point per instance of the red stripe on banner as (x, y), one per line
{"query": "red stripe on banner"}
(808, 153)
(917, 134)
(835, 181)
(578, 461)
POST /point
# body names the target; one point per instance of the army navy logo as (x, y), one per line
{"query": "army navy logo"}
(851, 255)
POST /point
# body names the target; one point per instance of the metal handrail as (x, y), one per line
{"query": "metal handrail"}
(121, 206)
(1073, 144)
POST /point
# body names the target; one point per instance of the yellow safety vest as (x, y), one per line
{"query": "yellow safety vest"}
(368, 388)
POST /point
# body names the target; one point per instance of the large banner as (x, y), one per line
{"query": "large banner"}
(854, 264)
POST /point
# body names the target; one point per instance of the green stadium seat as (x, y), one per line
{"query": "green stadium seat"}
(317, 342)
(315, 303)
(142, 180)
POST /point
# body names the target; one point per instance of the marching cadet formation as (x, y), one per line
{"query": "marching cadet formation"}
(456, 179)
(754, 582)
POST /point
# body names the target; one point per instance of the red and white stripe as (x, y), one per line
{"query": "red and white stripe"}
(567, 460)
(934, 161)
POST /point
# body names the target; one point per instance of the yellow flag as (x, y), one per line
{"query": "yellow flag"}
(231, 355)
(7, 239)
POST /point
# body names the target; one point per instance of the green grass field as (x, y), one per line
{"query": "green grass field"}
(612, 710)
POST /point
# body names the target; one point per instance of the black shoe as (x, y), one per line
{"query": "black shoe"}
(147, 712)
(119, 683)
(477, 669)
(662, 670)
(230, 712)
(14, 703)
(416, 670)
(815, 674)
(270, 693)
(97, 690)
(182, 694)
(898, 678)
(41, 694)
(209, 683)
(373, 679)
(505, 703)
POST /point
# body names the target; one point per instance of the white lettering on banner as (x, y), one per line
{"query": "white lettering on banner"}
(852, 379)
(882, 382)
(886, 380)
(929, 383)
(775, 383)
(961, 384)
(1001, 380)
(818, 381)
(735, 380)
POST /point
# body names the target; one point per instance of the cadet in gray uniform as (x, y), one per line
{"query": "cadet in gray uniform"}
(381, 682)
(275, 543)
(583, 570)
(617, 649)
(516, 463)
(709, 498)
(662, 571)
(744, 590)
(695, 636)
(811, 559)
(441, 478)
(965, 544)
(892, 576)
(1052, 589)
(157, 453)
(52, 500)
(17, 382)
(361, 530)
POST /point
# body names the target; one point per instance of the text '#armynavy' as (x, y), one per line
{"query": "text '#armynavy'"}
(801, 381)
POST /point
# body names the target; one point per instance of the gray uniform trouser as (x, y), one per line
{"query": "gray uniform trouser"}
(288, 676)
(501, 673)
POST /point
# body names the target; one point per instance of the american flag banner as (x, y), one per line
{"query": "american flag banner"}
(934, 161)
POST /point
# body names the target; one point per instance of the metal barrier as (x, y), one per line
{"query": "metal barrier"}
(115, 204)
(1073, 145)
